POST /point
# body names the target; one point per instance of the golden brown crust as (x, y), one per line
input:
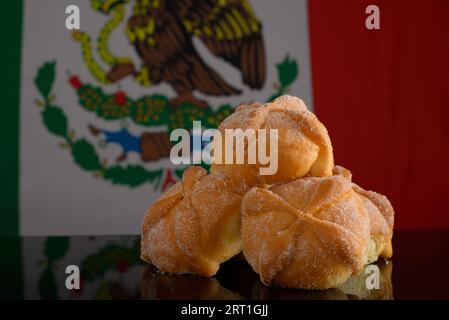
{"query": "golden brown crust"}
(304, 146)
(381, 214)
(310, 233)
(342, 171)
(185, 232)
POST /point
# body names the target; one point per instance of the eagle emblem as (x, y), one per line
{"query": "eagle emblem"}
(162, 32)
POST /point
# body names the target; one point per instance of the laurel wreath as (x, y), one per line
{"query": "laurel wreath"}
(151, 110)
(93, 267)
(110, 257)
(118, 257)
(147, 111)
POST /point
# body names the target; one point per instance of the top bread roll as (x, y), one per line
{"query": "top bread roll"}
(304, 146)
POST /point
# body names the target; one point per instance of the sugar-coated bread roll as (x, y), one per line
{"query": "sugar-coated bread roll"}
(195, 226)
(304, 146)
(310, 233)
(381, 215)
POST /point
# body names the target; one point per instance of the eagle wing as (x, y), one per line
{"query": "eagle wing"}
(163, 44)
(230, 30)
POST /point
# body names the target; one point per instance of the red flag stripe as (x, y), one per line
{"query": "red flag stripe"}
(384, 97)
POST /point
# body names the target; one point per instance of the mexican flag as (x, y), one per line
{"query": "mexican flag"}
(85, 124)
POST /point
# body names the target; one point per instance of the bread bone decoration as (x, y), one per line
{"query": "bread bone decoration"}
(304, 146)
(194, 226)
(381, 215)
(310, 233)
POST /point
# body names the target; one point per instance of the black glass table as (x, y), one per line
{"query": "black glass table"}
(110, 268)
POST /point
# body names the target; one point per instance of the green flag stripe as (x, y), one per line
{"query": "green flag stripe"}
(11, 279)
(11, 32)
(10, 55)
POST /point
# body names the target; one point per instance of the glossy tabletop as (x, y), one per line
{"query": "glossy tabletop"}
(110, 268)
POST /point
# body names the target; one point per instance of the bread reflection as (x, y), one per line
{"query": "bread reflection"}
(155, 285)
(353, 289)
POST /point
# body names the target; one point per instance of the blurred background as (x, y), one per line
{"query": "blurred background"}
(86, 114)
